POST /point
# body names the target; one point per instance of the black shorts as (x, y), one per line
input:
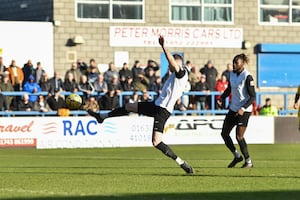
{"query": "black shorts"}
(233, 118)
(159, 114)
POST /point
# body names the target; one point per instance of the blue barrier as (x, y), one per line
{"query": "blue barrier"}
(212, 111)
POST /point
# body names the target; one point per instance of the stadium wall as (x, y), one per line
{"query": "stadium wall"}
(134, 131)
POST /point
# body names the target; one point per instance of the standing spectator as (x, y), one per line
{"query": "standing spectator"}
(2, 67)
(55, 101)
(82, 66)
(31, 86)
(221, 86)
(110, 73)
(136, 69)
(24, 104)
(211, 74)
(5, 85)
(268, 109)
(100, 85)
(70, 84)
(75, 71)
(28, 70)
(227, 71)
(110, 101)
(151, 64)
(124, 73)
(16, 76)
(56, 82)
(201, 86)
(45, 83)
(86, 87)
(39, 71)
(41, 104)
(194, 75)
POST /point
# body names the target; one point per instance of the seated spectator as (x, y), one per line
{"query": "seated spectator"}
(141, 83)
(56, 83)
(179, 106)
(3, 104)
(92, 74)
(86, 87)
(157, 85)
(114, 84)
(5, 85)
(110, 73)
(146, 97)
(24, 104)
(134, 98)
(70, 84)
(75, 71)
(110, 101)
(151, 77)
(31, 86)
(128, 85)
(45, 83)
(100, 85)
(55, 101)
(91, 104)
(268, 109)
(41, 104)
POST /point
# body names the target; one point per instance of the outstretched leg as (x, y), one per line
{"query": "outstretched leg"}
(129, 107)
(165, 149)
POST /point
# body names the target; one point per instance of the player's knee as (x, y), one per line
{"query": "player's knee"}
(155, 142)
(239, 137)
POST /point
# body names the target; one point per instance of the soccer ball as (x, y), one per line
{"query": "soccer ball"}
(73, 101)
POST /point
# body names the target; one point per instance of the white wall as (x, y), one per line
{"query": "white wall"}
(22, 41)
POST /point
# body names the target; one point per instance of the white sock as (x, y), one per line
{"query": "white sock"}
(236, 154)
(248, 160)
(179, 161)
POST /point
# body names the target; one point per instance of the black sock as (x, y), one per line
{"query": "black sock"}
(244, 149)
(166, 150)
(229, 143)
(118, 112)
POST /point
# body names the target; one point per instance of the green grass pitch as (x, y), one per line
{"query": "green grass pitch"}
(144, 173)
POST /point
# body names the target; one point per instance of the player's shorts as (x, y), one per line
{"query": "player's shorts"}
(159, 114)
(234, 119)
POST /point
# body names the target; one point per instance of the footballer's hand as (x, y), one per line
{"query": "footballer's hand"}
(295, 106)
(219, 102)
(161, 40)
(240, 112)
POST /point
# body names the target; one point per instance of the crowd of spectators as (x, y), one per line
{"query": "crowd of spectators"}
(102, 90)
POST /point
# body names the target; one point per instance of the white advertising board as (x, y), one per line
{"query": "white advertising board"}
(129, 131)
(147, 36)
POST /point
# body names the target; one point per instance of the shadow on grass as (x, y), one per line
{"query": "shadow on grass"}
(257, 195)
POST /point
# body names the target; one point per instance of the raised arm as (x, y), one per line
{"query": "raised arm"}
(173, 65)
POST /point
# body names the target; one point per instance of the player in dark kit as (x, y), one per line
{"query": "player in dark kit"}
(162, 107)
(241, 85)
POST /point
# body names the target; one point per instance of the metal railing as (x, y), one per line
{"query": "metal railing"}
(212, 111)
